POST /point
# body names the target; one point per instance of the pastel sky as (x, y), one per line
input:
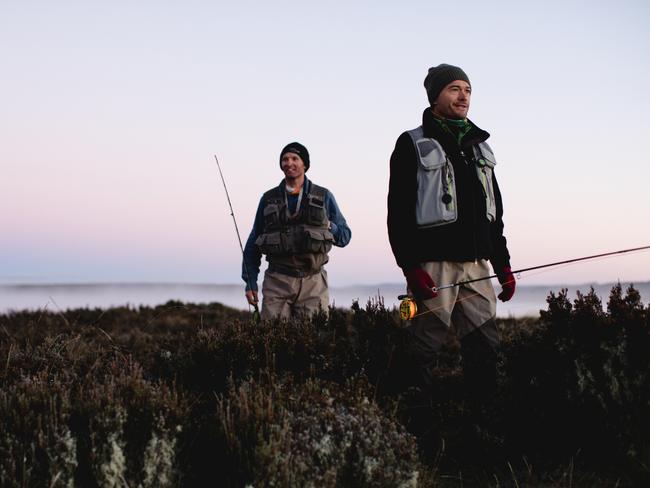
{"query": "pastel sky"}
(112, 112)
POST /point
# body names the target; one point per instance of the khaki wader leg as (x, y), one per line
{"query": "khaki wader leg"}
(285, 296)
(473, 323)
(279, 292)
(458, 310)
(313, 295)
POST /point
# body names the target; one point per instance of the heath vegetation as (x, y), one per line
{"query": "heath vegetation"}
(197, 395)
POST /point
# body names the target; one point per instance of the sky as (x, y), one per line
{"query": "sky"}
(112, 113)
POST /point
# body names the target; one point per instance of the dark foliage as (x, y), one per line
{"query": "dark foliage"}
(193, 395)
(579, 383)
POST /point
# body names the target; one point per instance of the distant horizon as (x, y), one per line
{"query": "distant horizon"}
(233, 284)
(528, 300)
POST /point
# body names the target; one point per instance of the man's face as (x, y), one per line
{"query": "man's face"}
(292, 165)
(453, 101)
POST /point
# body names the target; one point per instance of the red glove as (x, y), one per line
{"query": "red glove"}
(508, 284)
(420, 283)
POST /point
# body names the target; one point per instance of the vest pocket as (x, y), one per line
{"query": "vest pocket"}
(316, 214)
(485, 162)
(270, 243)
(436, 202)
(318, 240)
(272, 216)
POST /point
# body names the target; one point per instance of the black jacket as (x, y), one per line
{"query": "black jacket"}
(472, 236)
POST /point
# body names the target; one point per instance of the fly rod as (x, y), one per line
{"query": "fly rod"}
(408, 308)
(256, 314)
(523, 270)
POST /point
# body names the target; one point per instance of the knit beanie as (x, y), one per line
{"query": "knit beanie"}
(296, 148)
(439, 77)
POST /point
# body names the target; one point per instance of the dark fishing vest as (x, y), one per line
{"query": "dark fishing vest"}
(298, 242)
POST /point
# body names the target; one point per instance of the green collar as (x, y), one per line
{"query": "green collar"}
(457, 128)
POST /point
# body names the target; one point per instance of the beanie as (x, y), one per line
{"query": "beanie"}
(439, 77)
(296, 148)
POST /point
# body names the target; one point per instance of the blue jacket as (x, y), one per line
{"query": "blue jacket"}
(252, 255)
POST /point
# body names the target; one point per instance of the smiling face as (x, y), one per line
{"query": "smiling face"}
(292, 166)
(453, 101)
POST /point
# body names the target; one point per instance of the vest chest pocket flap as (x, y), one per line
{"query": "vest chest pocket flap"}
(318, 240)
(436, 201)
(272, 215)
(316, 214)
(270, 243)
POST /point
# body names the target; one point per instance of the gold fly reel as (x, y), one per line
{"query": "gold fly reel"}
(407, 307)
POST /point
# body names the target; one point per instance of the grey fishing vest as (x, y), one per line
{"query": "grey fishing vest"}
(301, 241)
(437, 198)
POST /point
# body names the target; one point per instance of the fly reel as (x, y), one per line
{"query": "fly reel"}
(407, 307)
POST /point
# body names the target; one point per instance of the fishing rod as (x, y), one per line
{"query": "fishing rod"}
(408, 308)
(256, 313)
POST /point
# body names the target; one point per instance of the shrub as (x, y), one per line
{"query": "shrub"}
(277, 433)
(579, 382)
(161, 396)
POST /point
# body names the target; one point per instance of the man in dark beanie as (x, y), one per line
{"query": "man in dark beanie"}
(295, 226)
(298, 149)
(439, 77)
(445, 225)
